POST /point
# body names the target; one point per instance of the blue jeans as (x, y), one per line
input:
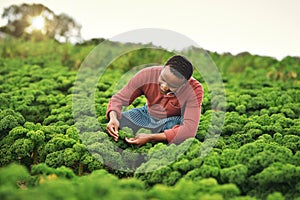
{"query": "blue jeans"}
(137, 118)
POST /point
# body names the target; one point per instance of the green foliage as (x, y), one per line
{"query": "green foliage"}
(277, 177)
(43, 169)
(8, 120)
(69, 155)
(203, 189)
(11, 178)
(236, 174)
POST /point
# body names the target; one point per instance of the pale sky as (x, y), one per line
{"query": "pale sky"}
(262, 27)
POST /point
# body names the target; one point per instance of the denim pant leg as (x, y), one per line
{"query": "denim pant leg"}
(171, 122)
(125, 122)
(137, 118)
(127, 119)
(159, 125)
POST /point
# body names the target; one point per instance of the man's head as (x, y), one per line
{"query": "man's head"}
(180, 66)
(175, 73)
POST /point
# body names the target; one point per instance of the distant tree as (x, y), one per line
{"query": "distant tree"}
(39, 21)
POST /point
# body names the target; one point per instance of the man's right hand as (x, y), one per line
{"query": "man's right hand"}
(113, 125)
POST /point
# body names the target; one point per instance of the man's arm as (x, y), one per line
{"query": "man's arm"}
(142, 138)
(191, 116)
(126, 95)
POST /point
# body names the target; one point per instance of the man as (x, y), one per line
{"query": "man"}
(173, 107)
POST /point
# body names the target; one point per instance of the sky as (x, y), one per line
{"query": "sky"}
(261, 27)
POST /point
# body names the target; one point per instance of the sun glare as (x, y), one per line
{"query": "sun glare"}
(37, 23)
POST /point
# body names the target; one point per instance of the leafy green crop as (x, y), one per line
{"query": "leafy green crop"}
(50, 149)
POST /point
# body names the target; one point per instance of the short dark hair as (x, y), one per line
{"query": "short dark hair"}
(180, 66)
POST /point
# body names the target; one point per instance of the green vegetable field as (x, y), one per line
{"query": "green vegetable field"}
(51, 149)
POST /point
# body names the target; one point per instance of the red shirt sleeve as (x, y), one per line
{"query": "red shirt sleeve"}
(127, 94)
(191, 116)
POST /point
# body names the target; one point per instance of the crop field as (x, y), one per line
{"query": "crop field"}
(53, 143)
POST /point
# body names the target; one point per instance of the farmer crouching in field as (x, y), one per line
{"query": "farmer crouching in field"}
(173, 107)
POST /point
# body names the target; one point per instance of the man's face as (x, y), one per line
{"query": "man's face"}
(168, 82)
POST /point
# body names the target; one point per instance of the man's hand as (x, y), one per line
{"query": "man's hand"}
(140, 139)
(113, 126)
(143, 138)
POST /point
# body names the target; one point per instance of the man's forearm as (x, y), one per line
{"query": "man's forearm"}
(113, 115)
(158, 137)
(144, 138)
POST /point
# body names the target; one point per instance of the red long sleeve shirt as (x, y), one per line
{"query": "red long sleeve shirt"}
(186, 101)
